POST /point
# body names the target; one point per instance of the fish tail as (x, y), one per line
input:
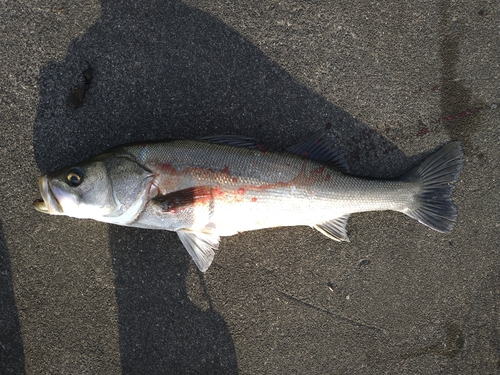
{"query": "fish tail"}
(432, 205)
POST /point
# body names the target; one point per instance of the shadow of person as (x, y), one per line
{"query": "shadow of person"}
(160, 328)
(11, 345)
(163, 69)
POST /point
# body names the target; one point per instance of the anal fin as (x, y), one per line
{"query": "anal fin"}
(335, 228)
(200, 246)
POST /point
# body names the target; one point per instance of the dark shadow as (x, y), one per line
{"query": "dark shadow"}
(482, 321)
(161, 330)
(459, 110)
(11, 345)
(163, 69)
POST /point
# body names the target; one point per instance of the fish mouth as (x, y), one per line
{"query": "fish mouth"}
(41, 206)
(49, 203)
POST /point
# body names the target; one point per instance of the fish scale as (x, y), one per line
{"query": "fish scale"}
(220, 186)
(298, 201)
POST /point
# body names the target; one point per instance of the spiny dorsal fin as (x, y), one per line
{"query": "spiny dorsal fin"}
(232, 140)
(335, 228)
(200, 246)
(321, 147)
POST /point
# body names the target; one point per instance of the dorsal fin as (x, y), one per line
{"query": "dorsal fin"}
(232, 140)
(321, 147)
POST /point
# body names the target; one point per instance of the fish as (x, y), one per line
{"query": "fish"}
(210, 187)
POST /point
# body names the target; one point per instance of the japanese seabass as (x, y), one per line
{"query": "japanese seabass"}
(219, 186)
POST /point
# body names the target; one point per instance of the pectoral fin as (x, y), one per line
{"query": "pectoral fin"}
(335, 228)
(182, 198)
(200, 246)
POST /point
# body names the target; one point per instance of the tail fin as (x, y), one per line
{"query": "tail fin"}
(433, 205)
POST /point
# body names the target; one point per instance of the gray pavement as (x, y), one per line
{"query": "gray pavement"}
(396, 80)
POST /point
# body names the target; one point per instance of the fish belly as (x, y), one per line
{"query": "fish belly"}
(300, 206)
(238, 211)
(255, 190)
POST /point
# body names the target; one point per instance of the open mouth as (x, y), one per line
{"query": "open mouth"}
(41, 206)
(48, 204)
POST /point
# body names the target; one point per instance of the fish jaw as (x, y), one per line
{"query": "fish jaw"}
(49, 204)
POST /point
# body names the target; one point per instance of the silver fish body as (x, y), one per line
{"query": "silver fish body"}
(204, 189)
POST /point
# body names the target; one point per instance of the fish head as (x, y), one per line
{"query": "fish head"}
(112, 188)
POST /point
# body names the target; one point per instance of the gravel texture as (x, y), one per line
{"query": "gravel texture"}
(396, 80)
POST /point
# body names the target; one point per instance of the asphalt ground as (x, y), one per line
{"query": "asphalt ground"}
(395, 79)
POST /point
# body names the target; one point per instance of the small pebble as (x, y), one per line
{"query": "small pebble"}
(364, 262)
(494, 106)
(331, 287)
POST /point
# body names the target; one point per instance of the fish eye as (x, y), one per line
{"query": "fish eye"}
(74, 177)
